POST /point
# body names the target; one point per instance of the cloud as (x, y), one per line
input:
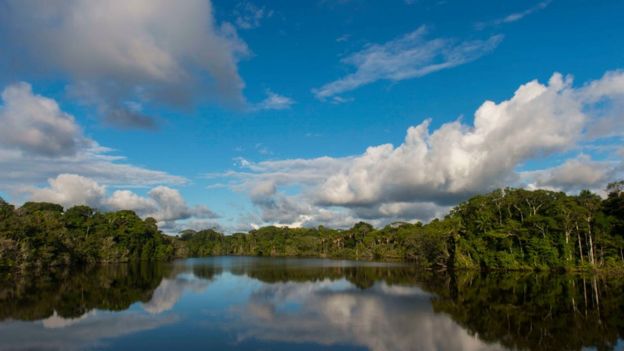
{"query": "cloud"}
(335, 313)
(274, 101)
(169, 292)
(69, 190)
(608, 90)
(249, 16)
(516, 16)
(118, 54)
(432, 170)
(162, 203)
(36, 124)
(458, 160)
(343, 38)
(406, 57)
(397, 211)
(89, 331)
(39, 141)
(576, 174)
(194, 223)
(55, 321)
(22, 170)
(337, 100)
(610, 85)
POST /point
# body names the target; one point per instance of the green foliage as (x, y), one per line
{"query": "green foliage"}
(40, 234)
(519, 229)
(509, 229)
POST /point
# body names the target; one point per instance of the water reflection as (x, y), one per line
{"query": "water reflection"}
(249, 303)
(380, 318)
(538, 311)
(72, 293)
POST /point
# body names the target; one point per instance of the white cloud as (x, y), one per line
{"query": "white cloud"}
(516, 16)
(69, 190)
(609, 89)
(36, 124)
(274, 101)
(39, 141)
(457, 160)
(118, 54)
(128, 200)
(432, 170)
(576, 174)
(406, 57)
(249, 16)
(610, 85)
(164, 204)
(22, 170)
(336, 100)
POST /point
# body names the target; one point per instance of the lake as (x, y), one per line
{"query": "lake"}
(244, 303)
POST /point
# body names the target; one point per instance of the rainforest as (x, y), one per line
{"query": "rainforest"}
(507, 229)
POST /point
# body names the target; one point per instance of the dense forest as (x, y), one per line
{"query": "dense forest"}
(40, 234)
(513, 229)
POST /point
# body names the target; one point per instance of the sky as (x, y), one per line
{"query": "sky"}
(238, 114)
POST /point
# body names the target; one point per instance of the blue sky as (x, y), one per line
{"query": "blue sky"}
(220, 113)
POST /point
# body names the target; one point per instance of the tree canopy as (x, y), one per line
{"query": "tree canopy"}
(511, 229)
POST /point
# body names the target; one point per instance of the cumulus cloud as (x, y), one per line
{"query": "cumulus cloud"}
(162, 203)
(69, 190)
(409, 56)
(120, 54)
(39, 141)
(457, 160)
(432, 170)
(36, 124)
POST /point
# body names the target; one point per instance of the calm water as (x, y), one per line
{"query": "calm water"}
(230, 303)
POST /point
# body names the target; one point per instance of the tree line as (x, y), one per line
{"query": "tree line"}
(512, 229)
(41, 234)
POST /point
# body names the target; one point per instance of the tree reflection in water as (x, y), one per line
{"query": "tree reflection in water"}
(316, 302)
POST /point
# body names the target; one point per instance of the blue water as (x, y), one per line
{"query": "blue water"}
(236, 303)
